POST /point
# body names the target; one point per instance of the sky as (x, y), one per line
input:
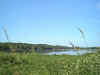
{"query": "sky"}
(52, 22)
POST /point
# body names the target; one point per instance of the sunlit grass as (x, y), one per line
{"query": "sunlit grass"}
(25, 64)
(35, 64)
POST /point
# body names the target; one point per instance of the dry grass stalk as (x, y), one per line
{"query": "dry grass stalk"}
(7, 38)
(73, 46)
(83, 36)
(6, 33)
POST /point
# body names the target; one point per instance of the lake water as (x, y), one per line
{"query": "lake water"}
(71, 52)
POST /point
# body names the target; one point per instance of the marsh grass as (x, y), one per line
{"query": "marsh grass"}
(83, 36)
(88, 64)
(34, 64)
(8, 40)
(73, 46)
(12, 55)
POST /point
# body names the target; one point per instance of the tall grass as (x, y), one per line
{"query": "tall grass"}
(83, 35)
(12, 55)
(73, 46)
(8, 40)
(30, 64)
(6, 34)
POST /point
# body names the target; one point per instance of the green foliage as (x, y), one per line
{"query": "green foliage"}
(33, 64)
(23, 47)
(26, 63)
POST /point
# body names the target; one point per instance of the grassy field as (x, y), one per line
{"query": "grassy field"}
(35, 64)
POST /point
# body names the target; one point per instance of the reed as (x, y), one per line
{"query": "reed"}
(8, 40)
(25, 64)
(73, 46)
(83, 35)
(6, 34)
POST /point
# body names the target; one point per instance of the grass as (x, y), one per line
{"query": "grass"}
(33, 64)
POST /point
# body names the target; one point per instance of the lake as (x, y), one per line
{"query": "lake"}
(70, 52)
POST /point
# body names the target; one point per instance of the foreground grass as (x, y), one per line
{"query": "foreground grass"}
(33, 64)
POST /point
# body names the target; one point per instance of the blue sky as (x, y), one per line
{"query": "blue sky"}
(51, 21)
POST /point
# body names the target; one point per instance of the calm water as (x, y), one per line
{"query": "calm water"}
(71, 52)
